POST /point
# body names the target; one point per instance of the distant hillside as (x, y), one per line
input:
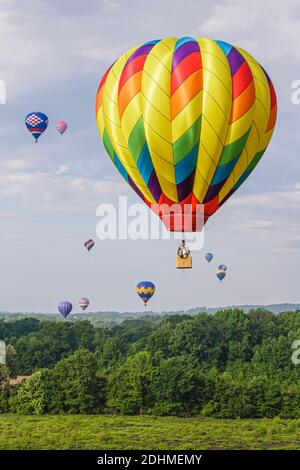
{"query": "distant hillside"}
(110, 318)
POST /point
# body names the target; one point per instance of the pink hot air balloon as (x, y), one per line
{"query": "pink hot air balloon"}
(61, 126)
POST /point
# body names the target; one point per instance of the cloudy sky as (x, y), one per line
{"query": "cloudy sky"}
(52, 56)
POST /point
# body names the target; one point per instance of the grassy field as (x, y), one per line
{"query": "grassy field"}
(132, 432)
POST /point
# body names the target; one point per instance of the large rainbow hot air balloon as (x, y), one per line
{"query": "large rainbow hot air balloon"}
(185, 121)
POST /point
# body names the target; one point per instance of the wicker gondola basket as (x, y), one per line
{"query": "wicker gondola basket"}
(183, 263)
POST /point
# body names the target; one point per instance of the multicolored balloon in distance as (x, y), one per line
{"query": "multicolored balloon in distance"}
(84, 303)
(145, 289)
(89, 244)
(65, 308)
(36, 123)
(222, 267)
(185, 121)
(220, 274)
(61, 126)
(209, 257)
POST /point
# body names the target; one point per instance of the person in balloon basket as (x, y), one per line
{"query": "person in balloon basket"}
(183, 250)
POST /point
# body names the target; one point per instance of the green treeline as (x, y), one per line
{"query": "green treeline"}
(225, 365)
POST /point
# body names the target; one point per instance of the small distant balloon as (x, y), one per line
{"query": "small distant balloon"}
(145, 290)
(36, 123)
(65, 308)
(209, 257)
(220, 274)
(222, 267)
(89, 244)
(84, 303)
(61, 126)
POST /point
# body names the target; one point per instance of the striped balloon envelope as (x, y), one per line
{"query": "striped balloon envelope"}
(84, 303)
(36, 123)
(185, 121)
(65, 308)
(220, 274)
(89, 244)
(145, 289)
(222, 267)
(209, 257)
(61, 127)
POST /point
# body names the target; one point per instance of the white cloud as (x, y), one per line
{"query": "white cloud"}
(272, 218)
(47, 192)
(14, 164)
(269, 28)
(89, 50)
(103, 188)
(255, 224)
(9, 237)
(276, 200)
(62, 169)
(43, 44)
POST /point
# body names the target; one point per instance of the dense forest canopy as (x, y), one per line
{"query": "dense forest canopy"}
(230, 364)
(111, 318)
